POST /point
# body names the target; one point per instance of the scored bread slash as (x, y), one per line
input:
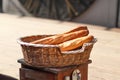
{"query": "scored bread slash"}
(75, 43)
(57, 39)
(78, 28)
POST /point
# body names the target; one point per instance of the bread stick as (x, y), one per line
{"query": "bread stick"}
(75, 43)
(57, 39)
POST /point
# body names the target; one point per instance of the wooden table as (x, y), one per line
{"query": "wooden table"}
(105, 54)
(28, 72)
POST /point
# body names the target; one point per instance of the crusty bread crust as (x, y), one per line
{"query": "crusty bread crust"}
(78, 28)
(75, 43)
(57, 39)
(69, 40)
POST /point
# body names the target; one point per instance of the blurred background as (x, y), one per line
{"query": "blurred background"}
(98, 12)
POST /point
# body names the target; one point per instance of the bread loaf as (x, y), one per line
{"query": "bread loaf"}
(75, 43)
(57, 39)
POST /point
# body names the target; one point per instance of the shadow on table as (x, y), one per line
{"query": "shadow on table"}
(6, 77)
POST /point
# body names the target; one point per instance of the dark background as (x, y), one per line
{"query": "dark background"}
(0, 5)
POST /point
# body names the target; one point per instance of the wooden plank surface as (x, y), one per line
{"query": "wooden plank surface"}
(105, 54)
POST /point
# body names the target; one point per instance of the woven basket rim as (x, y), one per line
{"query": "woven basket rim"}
(19, 40)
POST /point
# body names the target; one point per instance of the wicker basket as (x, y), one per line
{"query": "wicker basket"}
(50, 55)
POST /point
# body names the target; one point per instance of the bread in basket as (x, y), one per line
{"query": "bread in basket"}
(45, 55)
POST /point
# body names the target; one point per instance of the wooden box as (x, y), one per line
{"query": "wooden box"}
(28, 72)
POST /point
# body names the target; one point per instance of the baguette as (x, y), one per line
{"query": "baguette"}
(75, 43)
(77, 29)
(57, 39)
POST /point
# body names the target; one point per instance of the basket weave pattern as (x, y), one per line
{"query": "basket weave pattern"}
(50, 55)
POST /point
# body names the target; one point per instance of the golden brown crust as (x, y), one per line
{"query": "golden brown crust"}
(57, 39)
(78, 28)
(75, 43)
